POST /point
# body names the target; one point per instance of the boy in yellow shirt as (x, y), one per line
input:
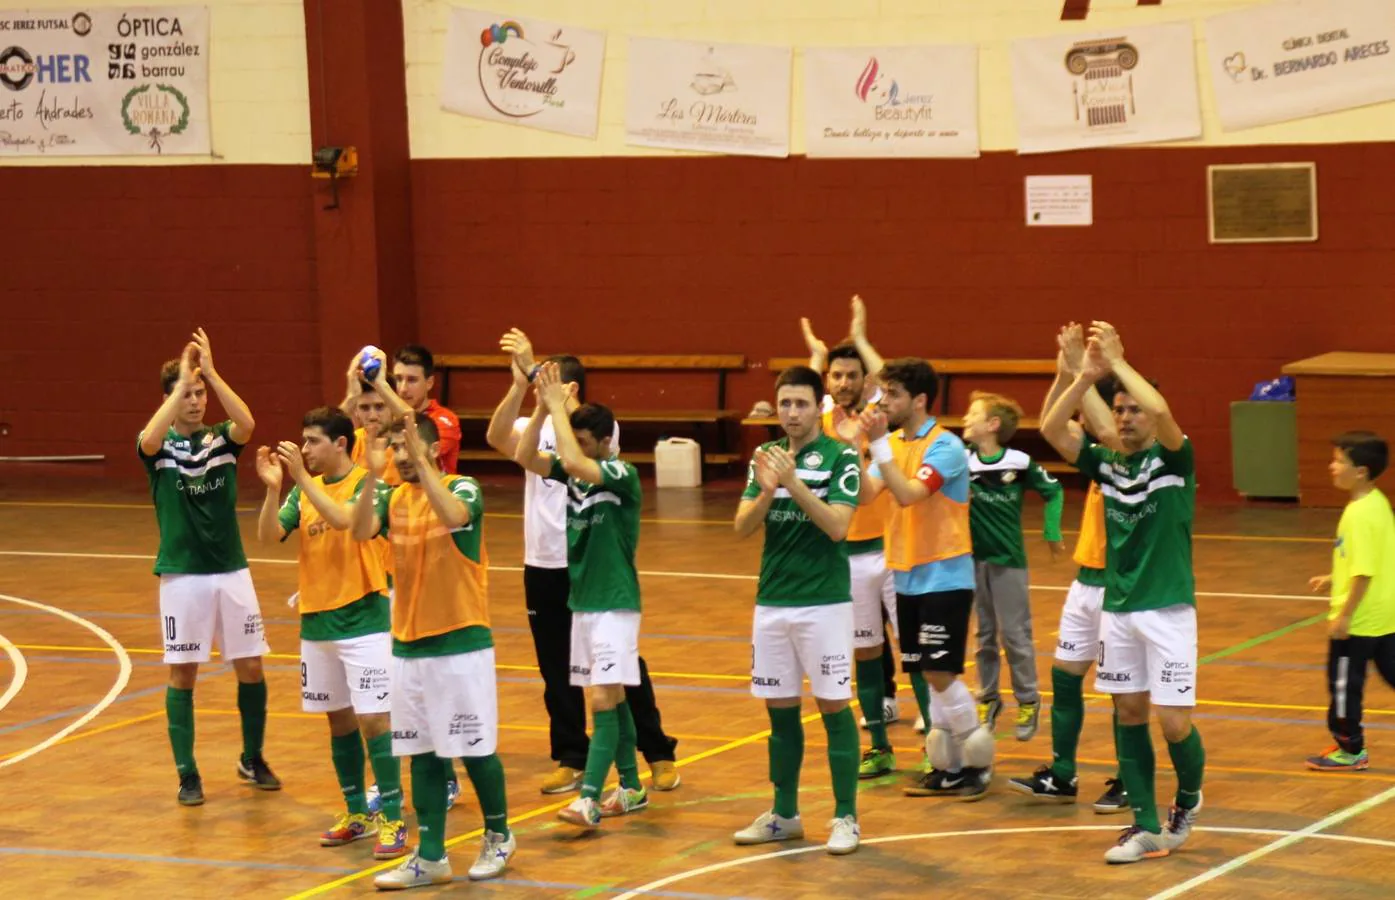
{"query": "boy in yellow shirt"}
(1362, 618)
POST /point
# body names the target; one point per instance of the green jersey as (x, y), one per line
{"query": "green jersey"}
(1149, 506)
(996, 486)
(799, 564)
(602, 537)
(193, 481)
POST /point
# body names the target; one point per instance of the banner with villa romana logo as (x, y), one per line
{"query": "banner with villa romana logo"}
(891, 101)
(1285, 61)
(1131, 86)
(104, 81)
(523, 71)
(723, 98)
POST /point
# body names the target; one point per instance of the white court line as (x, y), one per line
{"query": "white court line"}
(122, 678)
(1287, 840)
(21, 670)
(650, 573)
(897, 838)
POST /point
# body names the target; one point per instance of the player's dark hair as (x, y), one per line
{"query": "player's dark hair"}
(1004, 409)
(916, 375)
(417, 355)
(169, 376)
(426, 427)
(801, 376)
(569, 368)
(846, 351)
(1116, 387)
(332, 421)
(594, 418)
(1365, 449)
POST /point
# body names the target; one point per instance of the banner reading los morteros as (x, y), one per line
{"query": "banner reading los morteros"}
(1286, 61)
(891, 101)
(523, 71)
(105, 81)
(1133, 86)
(726, 98)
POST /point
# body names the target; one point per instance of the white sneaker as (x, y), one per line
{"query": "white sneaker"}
(843, 835)
(495, 853)
(769, 827)
(583, 811)
(919, 724)
(1179, 824)
(414, 872)
(624, 800)
(1135, 844)
(891, 711)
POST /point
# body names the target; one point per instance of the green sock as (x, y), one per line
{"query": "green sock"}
(842, 760)
(786, 747)
(605, 740)
(1136, 764)
(1189, 761)
(251, 703)
(625, 762)
(922, 696)
(1118, 769)
(487, 775)
(429, 799)
(387, 771)
(179, 712)
(1067, 717)
(347, 753)
(870, 692)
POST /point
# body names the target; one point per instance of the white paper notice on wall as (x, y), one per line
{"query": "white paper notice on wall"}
(1060, 200)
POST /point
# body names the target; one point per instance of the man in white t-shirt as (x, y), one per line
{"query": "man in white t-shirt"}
(546, 586)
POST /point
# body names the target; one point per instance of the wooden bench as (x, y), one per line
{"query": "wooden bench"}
(946, 369)
(717, 365)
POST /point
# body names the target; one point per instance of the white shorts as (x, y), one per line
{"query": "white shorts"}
(790, 642)
(1079, 634)
(196, 610)
(605, 647)
(1152, 650)
(446, 705)
(353, 672)
(873, 590)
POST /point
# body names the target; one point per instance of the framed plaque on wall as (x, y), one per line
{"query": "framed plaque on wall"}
(1262, 202)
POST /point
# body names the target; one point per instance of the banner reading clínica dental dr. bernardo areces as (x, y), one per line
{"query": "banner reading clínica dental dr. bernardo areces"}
(106, 81)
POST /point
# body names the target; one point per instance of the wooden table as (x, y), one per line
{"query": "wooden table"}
(1338, 392)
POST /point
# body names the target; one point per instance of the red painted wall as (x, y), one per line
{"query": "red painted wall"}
(105, 273)
(723, 255)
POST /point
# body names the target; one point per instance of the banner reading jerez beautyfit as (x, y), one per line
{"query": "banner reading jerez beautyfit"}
(106, 81)
(523, 71)
(1286, 61)
(726, 98)
(1132, 86)
(891, 101)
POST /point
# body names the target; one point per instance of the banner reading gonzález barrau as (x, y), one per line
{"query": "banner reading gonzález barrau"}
(104, 81)
(1285, 61)
(523, 71)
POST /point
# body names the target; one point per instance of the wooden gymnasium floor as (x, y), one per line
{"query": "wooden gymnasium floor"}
(86, 769)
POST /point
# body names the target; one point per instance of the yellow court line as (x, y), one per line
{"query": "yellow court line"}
(530, 814)
(134, 720)
(722, 523)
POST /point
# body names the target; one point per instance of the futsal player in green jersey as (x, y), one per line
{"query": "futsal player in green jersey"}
(998, 478)
(603, 497)
(803, 490)
(206, 590)
(1148, 633)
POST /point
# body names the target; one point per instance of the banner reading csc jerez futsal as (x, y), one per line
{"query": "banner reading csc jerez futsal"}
(109, 81)
(1289, 60)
